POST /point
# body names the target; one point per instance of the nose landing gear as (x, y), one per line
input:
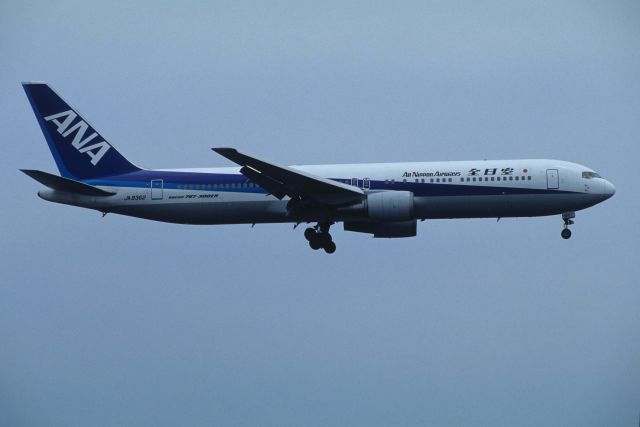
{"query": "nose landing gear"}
(319, 237)
(568, 220)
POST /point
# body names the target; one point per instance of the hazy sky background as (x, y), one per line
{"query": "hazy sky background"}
(119, 321)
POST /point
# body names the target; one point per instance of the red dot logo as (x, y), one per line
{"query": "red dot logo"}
(525, 170)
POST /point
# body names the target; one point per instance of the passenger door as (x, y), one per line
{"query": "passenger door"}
(553, 182)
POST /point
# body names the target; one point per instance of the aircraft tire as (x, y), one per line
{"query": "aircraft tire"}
(310, 234)
(330, 247)
(315, 244)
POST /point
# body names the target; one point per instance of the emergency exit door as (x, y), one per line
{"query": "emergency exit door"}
(156, 189)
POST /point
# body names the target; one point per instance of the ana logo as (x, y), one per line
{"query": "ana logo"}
(63, 121)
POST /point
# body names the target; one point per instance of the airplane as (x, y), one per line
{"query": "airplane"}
(385, 200)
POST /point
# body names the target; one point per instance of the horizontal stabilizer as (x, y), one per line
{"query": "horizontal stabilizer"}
(67, 185)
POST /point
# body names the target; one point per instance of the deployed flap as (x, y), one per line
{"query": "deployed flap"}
(67, 185)
(292, 182)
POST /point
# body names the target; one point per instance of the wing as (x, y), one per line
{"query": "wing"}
(285, 181)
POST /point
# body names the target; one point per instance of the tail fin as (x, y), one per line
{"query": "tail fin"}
(79, 150)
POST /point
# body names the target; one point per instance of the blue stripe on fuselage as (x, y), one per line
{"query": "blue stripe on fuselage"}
(177, 180)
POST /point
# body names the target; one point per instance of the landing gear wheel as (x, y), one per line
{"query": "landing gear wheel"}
(330, 247)
(324, 238)
(567, 217)
(319, 237)
(315, 244)
(310, 234)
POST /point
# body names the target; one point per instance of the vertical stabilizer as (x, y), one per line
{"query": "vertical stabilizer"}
(79, 150)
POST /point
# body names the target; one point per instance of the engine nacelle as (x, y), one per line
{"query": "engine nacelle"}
(389, 206)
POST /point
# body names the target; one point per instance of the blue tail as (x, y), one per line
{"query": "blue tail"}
(79, 150)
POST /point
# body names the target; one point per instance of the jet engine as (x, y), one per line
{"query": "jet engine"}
(384, 214)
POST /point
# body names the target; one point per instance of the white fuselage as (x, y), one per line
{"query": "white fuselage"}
(459, 189)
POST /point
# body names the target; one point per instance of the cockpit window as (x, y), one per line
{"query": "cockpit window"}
(589, 175)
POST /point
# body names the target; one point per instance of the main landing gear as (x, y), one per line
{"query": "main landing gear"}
(568, 220)
(319, 237)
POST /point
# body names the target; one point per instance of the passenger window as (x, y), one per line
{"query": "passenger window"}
(493, 178)
(529, 178)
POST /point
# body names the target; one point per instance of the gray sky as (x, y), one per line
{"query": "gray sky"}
(120, 321)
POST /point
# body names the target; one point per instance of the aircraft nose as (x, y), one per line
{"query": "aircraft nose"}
(609, 189)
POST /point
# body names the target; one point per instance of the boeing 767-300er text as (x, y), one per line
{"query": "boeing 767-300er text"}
(382, 199)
